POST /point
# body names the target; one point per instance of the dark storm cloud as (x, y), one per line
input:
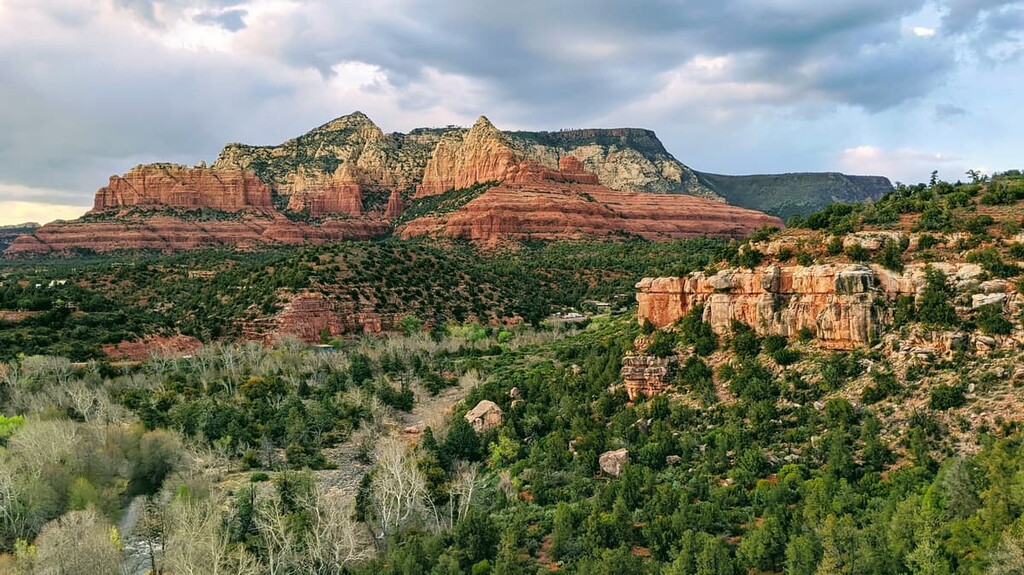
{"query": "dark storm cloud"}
(87, 93)
(582, 58)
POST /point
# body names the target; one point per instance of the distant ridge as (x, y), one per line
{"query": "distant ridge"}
(803, 193)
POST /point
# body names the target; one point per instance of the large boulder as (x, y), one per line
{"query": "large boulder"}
(486, 415)
(613, 462)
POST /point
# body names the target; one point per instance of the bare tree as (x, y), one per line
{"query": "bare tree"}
(78, 542)
(280, 541)
(398, 487)
(197, 544)
(41, 442)
(82, 398)
(461, 490)
(334, 539)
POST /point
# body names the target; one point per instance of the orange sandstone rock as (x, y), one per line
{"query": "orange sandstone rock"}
(537, 203)
(462, 159)
(183, 187)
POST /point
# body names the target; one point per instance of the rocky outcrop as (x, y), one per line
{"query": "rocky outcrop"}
(462, 159)
(321, 196)
(371, 158)
(396, 205)
(843, 305)
(183, 187)
(168, 234)
(536, 203)
(154, 345)
(434, 160)
(613, 462)
(646, 375)
(485, 416)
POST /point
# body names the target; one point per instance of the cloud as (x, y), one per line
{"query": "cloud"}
(905, 164)
(945, 112)
(92, 87)
(231, 20)
(17, 212)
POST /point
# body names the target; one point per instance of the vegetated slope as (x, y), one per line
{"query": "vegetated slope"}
(749, 449)
(755, 452)
(785, 195)
(339, 289)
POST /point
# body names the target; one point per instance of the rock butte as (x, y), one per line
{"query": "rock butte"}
(534, 202)
(183, 187)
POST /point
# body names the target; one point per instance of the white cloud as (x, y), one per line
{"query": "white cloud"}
(907, 165)
(922, 32)
(14, 212)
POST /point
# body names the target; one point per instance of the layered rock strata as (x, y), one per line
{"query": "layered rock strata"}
(183, 187)
(843, 305)
(168, 234)
(537, 203)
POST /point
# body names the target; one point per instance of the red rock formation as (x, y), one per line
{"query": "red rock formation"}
(307, 317)
(341, 194)
(395, 205)
(646, 375)
(168, 234)
(462, 159)
(836, 302)
(183, 187)
(537, 203)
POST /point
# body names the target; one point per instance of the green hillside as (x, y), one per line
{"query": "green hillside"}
(785, 195)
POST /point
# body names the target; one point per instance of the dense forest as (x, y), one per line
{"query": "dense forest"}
(77, 305)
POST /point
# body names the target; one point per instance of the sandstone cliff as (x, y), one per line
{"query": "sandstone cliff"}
(321, 196)
(462, 159)
(183, 187)
(843, 305)
(434, 160)
(538, 203)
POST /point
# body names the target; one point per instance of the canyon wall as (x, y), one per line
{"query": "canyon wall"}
(843, 305)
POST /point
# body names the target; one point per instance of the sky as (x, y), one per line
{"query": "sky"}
(90, 88)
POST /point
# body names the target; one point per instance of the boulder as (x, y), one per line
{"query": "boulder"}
(485, 416)
(983, 299)
(613, 462)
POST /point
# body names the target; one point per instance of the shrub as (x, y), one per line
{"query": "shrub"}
(990, 261)
(927, 241)
(748, 257)
(990, 320)
(744, 341)
(786, 356)
(664, 344)
(885, 385)
(763, 234)
(857, 253)
(945, 397)
(935, 219)
(891, 256)
(933, 305)
(697, 332)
